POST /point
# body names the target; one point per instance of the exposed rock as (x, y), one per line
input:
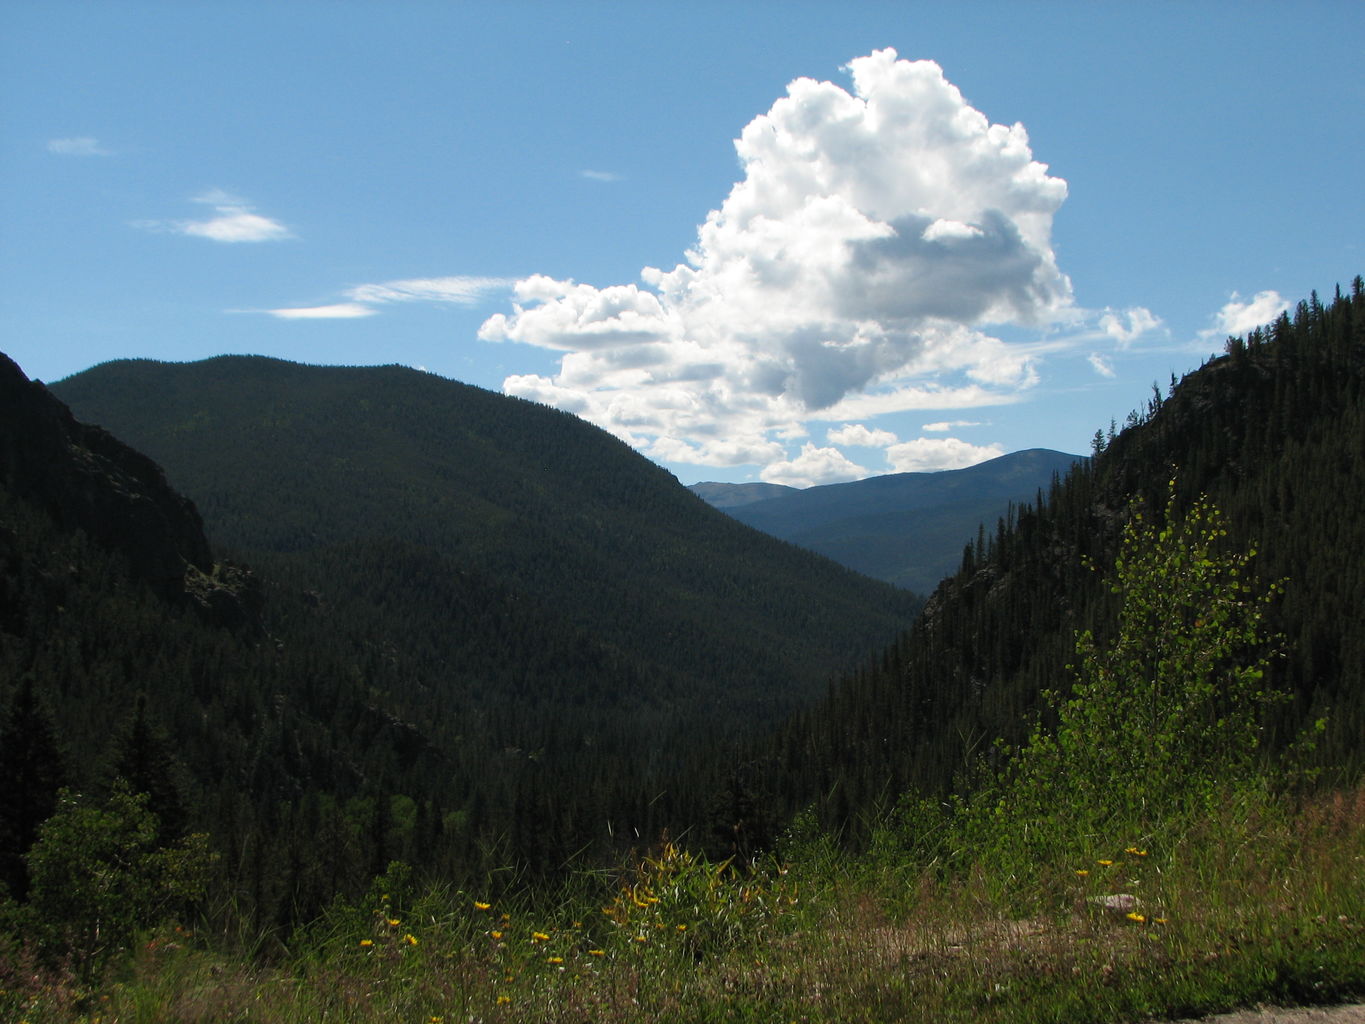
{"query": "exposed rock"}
(88, 480)
(1118, 903)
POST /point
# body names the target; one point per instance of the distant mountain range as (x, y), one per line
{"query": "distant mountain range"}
(906, 528)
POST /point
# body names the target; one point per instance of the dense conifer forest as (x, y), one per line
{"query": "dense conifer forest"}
(1273, 431)
(560, 655)
(476, 635)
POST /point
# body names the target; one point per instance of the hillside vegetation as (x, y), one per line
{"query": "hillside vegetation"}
(1162, 829)
(1273, 433)
(530, 641)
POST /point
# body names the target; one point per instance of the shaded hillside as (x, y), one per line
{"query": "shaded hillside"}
(906, 528)
(1273, 432)
(289, 463)
(538, 641)
(88, 480)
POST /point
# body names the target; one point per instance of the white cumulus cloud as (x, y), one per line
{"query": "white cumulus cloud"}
(813, 466)
(1238, 317)
(874, 236)
(931, 454)
(1127, 325)
(859, 436)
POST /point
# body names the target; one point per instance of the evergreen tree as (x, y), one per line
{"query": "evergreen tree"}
(143, 759)
(31, 765)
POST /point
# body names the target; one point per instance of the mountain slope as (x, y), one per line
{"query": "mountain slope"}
(288, 460)
(905, 528)
(555, 621)
(1273, 432)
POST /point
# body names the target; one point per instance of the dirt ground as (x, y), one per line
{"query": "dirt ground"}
(1353, 1014)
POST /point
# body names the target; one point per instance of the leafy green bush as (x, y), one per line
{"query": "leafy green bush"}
(1164, 721)
(97, 874)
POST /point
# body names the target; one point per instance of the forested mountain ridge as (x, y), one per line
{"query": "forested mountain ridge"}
(1273, 431)
(286, 462)
(88, 480)
(905, 528)
(493, 637)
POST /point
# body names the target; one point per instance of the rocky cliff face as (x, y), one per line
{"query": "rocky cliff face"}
(86, 479)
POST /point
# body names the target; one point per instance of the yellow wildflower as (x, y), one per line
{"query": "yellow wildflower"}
(367, 942)
(393, 922)
(504, 999)
(479, 905)
(1104, 863)
(1133, 915)
(554, 959)
(1082, 872)
(410, 939)
(495, 933)
(682, 927)
(597, 952)
(539, 937)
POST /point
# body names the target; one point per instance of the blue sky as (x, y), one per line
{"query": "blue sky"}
(793, 242)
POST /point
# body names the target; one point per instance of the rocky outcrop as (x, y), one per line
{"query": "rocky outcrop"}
(86, 479)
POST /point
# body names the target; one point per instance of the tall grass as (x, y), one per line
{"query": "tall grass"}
(1258, 904)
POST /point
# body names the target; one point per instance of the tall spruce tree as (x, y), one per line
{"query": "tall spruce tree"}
(31, 765)
(143, 758)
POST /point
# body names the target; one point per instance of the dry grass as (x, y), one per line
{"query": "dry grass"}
(1268, 914)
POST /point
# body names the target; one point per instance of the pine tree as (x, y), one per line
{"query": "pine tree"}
(32, 767)
(143, 759)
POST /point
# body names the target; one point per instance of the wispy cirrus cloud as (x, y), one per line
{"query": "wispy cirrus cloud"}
(463, 291)
(335, 311)
(604, 176)
(81, 145)
(367, 299)
(1101, 365)
(943, 426)
(234, 221)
